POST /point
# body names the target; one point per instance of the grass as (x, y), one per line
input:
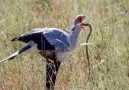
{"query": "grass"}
(108, 52)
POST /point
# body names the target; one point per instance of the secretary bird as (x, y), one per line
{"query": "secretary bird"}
(53, 44)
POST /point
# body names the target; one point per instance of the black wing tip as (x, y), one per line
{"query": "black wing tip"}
(14, 39)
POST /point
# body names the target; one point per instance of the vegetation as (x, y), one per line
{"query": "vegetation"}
(109, 52)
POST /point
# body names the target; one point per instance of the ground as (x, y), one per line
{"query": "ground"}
(109, 51)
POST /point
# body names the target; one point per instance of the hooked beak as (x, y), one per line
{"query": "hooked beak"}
(84, 17)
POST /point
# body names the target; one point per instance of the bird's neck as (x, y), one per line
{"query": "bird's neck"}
(74, 38)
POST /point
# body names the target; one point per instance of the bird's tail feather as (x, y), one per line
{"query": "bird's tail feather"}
(16, 53)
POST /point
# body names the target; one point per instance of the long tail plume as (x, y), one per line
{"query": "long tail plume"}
(16, 53)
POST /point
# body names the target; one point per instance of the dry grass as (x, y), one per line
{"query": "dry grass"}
(108, 52)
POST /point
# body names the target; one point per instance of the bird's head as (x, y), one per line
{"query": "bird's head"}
(78, 22)
(79, 19)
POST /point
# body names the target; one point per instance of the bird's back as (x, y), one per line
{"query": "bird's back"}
(51, 38)
(37, 36)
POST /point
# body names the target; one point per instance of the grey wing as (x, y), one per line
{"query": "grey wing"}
(62, 44)
(60, 39)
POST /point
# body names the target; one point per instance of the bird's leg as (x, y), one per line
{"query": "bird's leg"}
(52, 68)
